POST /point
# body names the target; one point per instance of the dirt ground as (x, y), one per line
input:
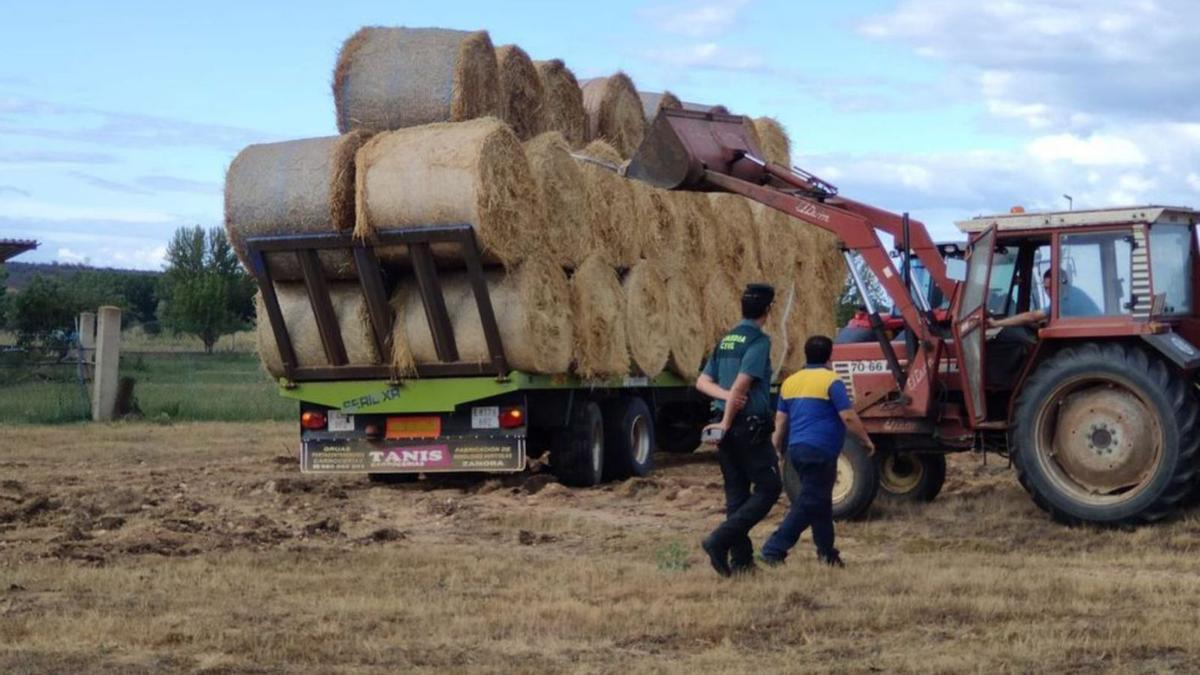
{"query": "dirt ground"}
(200, 548)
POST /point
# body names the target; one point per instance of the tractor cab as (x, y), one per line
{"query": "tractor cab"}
(1113, 273)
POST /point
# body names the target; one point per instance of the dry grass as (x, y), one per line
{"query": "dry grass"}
(198, 548)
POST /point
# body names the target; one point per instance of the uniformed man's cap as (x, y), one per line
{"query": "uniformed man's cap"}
(759, 292)
(756, 299)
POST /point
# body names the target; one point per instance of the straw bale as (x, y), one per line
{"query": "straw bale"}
(685, 329)
(722, 305)
(647, 313)
(562, 108)
(392, 78)
(773, 140)
(532, 307)
(352, 318)
(611, 212)
(652, 102)
(598, 308)
(294, 187)
(564, 194)
(650, 235)
(521, 96)
(777, 240)
(614, 112)
(695, 222)
(737, 237)
(443, 174)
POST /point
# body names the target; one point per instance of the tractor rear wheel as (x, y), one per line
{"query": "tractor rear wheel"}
(857, 482)
(1106, 434)
(911, 476)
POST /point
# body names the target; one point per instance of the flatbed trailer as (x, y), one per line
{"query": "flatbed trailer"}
(455, 415)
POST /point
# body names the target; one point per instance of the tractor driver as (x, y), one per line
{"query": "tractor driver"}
(1071, 302)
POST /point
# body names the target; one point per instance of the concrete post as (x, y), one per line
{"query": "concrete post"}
(87, 335)
(108, 357)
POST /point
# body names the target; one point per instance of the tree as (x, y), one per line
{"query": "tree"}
(43, 314)
(849, 300)
(4, 300)
(204, 291)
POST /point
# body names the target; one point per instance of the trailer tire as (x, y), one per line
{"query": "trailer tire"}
(1135, 461)
(577, 458)
(911, 476)
(628, 438)
(678, 426)
(857, 486)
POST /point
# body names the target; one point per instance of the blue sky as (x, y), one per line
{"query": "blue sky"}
(118, 119)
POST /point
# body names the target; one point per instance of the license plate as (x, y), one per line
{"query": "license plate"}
(485, 417)
(414, 427)
(339, 421)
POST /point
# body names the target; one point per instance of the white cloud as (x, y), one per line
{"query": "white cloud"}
(696, 20)
(1095, 150)
(68, 256)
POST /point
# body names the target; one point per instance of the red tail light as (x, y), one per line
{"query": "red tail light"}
(312, 420)
(512, 418)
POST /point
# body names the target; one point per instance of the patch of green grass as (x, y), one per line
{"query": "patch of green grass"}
(672, 558)
(169, 387)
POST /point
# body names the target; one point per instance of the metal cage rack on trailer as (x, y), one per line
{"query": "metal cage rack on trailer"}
(374, 282)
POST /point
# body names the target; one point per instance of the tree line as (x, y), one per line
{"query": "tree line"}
(203, 291)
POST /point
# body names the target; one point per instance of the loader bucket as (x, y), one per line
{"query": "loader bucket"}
(682, 144)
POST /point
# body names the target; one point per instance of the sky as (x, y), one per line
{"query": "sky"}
(119, 119)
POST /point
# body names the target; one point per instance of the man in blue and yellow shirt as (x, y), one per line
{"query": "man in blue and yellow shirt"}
(738, 378)
(811, 421)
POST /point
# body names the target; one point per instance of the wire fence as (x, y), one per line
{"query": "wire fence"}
(48, 380)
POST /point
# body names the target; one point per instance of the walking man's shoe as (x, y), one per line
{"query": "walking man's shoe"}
(717, 557)
(833, 559)
(771, 562)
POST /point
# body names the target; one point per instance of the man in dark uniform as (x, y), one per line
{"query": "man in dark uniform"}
(738, 378)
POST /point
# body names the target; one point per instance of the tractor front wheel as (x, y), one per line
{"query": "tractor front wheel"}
(911, 476)
(857, 482)
(1105, 434)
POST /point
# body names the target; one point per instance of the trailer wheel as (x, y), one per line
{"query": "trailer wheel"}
(577, 458)
(857, 482)
(678, 427)
(628, 438)
(1106, 434)
(911, 476)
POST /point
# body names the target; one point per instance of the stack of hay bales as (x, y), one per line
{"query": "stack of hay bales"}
(588, 272)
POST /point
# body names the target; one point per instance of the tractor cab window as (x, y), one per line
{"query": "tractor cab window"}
(1094, 275)
(1171, 265)
(1001, 286)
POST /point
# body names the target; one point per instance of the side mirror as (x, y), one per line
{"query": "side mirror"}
(956, 269)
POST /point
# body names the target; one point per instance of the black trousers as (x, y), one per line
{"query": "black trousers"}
(752, 485)
(813, 508)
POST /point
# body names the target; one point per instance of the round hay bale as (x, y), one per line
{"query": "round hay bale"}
(443, 174)
(294, 187)
(685, 329)
(532, 305)
(777, 244)
(653, 102)
(737, 238)
(647, 311)
(722, 305)
(614, 112)
(649, 235)
(521, 96)
(353, 322)
(598, 308)
(392, 78)
(611, 212)
(565, 195)
(778, 325)
(773, 141)
(562, 102)
(658, 240)
(700, 227)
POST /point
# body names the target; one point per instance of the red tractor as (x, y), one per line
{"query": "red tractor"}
(1069, 344)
